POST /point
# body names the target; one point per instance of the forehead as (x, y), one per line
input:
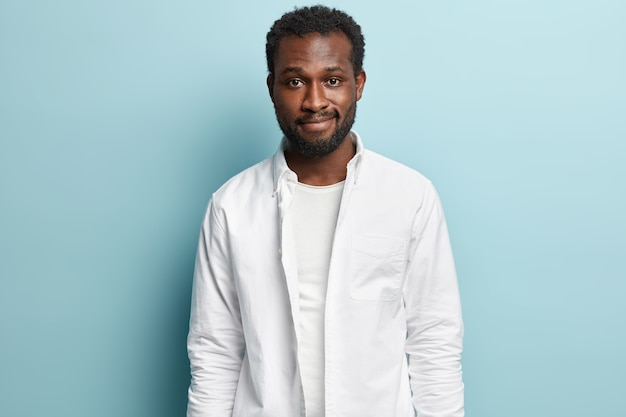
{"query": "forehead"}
(313, 50)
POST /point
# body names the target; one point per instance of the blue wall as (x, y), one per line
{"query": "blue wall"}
(118, 119)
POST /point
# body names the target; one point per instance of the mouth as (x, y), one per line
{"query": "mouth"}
(316, 124)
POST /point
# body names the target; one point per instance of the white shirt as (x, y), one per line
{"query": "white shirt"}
(315, 210)
(393, 327)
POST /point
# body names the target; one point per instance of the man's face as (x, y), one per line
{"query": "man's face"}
(315, 91)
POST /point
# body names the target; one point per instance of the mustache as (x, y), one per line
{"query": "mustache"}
(317, 116)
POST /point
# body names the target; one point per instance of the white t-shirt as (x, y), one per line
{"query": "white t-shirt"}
(315, 210)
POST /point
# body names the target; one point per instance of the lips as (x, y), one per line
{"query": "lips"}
(316, 123)
(316, 120)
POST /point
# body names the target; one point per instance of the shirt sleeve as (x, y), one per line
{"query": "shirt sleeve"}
(434, 322)
(215, 342)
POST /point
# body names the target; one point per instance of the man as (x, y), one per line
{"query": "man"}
(324, 281)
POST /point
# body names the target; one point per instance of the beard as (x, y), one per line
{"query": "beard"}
(320, 146)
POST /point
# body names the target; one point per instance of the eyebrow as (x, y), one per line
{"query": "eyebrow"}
(300, 70)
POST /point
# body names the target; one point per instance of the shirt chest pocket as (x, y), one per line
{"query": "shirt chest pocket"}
(376, 267)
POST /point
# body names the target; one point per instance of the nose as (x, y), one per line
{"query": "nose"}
(315, 99)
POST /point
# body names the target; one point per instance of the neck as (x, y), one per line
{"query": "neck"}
(323, 170)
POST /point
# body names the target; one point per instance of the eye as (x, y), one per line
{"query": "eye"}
(333, 82)
(294, 83)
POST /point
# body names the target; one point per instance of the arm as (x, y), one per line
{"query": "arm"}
(434, 324)
(215, 343)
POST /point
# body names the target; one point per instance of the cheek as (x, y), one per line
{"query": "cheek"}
(344, 98)
(282, 105)
(346, 103)
(284, 114)
(281, 110)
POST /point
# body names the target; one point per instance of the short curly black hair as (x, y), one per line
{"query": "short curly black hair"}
(316, 19)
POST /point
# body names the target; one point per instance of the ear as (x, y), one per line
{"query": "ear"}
(270, 86)
(360, 84)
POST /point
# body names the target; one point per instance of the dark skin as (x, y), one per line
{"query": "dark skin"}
(314, 89)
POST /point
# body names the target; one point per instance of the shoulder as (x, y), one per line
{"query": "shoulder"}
(382, 169)
(394, 183)
(253, 181)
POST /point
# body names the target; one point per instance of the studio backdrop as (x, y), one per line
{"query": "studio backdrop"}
(119, 119)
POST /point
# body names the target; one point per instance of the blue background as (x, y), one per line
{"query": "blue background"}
(118, 120)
